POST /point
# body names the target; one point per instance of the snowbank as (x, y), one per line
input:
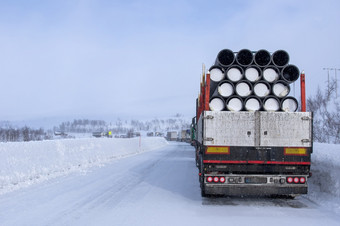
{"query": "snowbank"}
(324, 185)
(24, 163)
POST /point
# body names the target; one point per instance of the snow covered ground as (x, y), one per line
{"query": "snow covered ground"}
(117, 182)
(25, 163)
(324, 185)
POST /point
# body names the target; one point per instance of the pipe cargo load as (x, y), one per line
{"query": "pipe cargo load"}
(251, 137)
(247, 73)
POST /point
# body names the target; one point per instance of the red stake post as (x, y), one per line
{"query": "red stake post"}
(303, 92)
(207, 92)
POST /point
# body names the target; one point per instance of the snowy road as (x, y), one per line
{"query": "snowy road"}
(152, 188)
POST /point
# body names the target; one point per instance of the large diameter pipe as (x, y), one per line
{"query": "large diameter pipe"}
(225, 58)
(271, 103)
(280, 58)
(243, 88)
(217, 104)
(262, 58)
(252, 73)
(253, 103)
(244, 57)
(262, 89)
(216, 76)
(234, 103)
(289, 104)
(281, 89)
(216, 73)
(226, 88)
(290, 73)
(271, 74)
(234, 73)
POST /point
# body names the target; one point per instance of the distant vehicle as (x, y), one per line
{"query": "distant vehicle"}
(185, 135)
(98, 134)
(60, 133)
(159, 134)
(102, 134)
(171, 136)
(149, 134)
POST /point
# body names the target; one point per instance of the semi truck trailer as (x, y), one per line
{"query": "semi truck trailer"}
(260, 152)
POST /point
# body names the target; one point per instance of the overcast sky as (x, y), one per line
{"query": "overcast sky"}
(143, 58)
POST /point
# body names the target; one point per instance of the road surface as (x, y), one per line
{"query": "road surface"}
(152, 188)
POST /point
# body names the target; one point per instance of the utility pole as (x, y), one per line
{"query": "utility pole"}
(328, 77)
(336, 79)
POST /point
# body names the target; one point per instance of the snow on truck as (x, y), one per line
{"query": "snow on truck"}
(251, 138)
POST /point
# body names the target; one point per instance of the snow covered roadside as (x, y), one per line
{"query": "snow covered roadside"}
(324, 185)
(25, 163)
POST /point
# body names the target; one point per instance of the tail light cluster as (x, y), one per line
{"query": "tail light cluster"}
(296, 180)
(215, 179)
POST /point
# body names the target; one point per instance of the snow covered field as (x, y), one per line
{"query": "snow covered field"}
(25, 163)
(117, 182)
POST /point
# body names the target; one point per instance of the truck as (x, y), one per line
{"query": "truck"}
(185, 135)
(244, 153)
(171, 136)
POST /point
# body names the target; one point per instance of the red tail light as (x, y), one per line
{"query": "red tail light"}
(222, 179)
(302, 180)
(209, 179)
(216, 179)
(290, 180)
(296, 180)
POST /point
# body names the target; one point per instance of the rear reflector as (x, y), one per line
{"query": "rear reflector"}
(290, 180)
(217, 150)
(296, 180)
(216, 179)
(302, 180)
(295, 151)
(209, 179)
(222, 179)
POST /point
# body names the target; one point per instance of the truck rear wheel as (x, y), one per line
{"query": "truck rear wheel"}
(203, 194)
(201, 177)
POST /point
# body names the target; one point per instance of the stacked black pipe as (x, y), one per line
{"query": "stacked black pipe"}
(252, 81)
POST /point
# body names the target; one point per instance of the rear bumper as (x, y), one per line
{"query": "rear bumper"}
(238, 190)
(250, 184)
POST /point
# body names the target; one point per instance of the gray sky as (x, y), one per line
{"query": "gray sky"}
(143, 58)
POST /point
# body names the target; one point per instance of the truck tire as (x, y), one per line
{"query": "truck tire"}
(201, 177)
(203, 194)
(197, 157)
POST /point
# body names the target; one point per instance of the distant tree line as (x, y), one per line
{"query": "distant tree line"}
(174, 123)
(8, 133)
(82, 126)
(326, 114)
(23, 134)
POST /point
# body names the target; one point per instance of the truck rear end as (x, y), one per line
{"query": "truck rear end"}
(254, 153)
(252, 148)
